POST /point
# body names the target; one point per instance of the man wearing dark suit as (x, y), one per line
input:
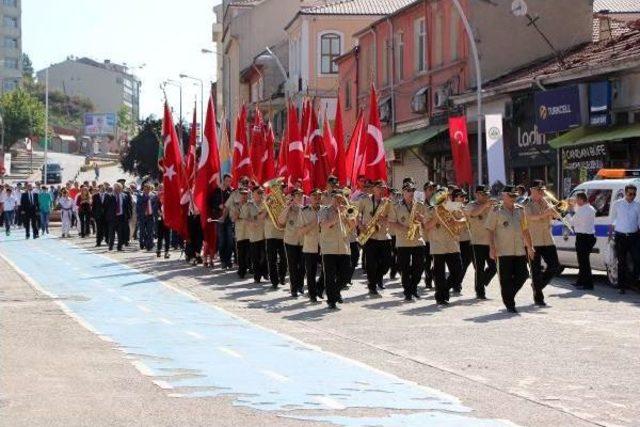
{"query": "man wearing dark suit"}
(119, 215)
(98, 214)
(29, 210)
(146, 213)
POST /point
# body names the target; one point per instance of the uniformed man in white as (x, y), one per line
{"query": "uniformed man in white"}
(309, 229)
(276, 258)
(509, 244)
(539, 216)
(476, 213)
(625, 228)
(289, 219)
(243, 245)
(254, 216)
(429, 189)
(459, 196)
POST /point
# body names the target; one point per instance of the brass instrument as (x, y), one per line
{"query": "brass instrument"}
(413, 233)
(350, 213)
(560, 207)
(454, 226)
(374, 225)
(275, 202)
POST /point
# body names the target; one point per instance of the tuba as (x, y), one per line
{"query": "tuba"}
(413, 233)
(373, 226)
(350, 213)
(454, 226)
(275, 202)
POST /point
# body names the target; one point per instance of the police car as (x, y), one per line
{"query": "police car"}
(601, 192)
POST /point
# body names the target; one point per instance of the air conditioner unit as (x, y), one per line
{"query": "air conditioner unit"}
(440, 97)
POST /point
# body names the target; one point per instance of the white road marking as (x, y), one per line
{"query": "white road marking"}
(165, 321)
(163, 385)
(275, 376)
(143, 308)
(194, 335)
(230, 352)
(329, 402)
(142, 368)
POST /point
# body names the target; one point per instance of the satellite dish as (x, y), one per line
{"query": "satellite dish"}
(519, 8)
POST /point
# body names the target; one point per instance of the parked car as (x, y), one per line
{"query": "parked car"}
(601, 194)
(54, 173)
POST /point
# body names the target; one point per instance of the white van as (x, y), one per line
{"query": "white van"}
(601, 193)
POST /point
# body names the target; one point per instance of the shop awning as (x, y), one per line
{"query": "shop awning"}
(414, 138)
(584, 135)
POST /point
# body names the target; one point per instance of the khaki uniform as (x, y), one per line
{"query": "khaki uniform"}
(254, 230)
(311, 239)
(332, 239)
(234, 207)
(479, 233)
(508, 228)
(540, 229)
(270, 230)
(400, 213)
(291, 236)
(440, 241)
(368, 209)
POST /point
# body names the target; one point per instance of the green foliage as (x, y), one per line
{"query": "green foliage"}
(124, 120)
(27, 67)
(64, 111)
(22, 114)
(140, 157)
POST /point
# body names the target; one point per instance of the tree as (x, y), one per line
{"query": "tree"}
(23, 116)
(140, 157)
(124, 120)
(27, 67)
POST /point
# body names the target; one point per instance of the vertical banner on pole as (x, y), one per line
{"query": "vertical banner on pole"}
(495, 149)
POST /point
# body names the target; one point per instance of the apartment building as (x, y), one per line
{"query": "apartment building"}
(10, 44)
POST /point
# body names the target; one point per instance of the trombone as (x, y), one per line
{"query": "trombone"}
(560, 207)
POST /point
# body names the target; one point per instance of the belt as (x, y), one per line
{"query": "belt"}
(635, 233)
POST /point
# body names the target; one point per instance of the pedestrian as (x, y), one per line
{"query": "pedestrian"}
(162, 231)
(146, 217)
(217, 207)
(45, 203)
(9, 205)
(98, 214)
(66, 204)
(29, 211)
(83, 206)
(485, 267)
(583, 222)
(624, 229)
(96, 170)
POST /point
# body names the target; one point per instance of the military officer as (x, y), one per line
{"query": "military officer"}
(310, 232)
(476, 213)
(276, 258)
(289, 219)
(459, 198)
(252, 213)
(429, 189)
(509, 244)
(234, 206)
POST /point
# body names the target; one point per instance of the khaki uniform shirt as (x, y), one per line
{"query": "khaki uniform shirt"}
(311, 239)
(368, 209)
(270, 230)
(508, 228)
(400, 213)
(254, 229)
(440, 240)
(332, 239)
(540, 229)
(291, 228)
(234, 207)
(479, 233)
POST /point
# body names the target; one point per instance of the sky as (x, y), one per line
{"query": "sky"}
(167, 36)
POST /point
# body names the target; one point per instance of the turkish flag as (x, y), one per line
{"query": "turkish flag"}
(173, 179)
(460, 150)
(257, 149)
(306, 126)
(208, 170)
(352, 156)
(190, 162)
(268, 158)
(295, 148)
(241, 159)
(316, 167)
(375, 162)
(339, 168)
(282, 156)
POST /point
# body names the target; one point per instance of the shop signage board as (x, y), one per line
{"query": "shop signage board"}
(600, 97)
(557, 110)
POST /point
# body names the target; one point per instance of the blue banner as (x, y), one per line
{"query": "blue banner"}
(557, 110)
(600, 103)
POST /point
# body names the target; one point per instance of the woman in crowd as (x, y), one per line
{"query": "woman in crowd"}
(83, 204)
(66, 205)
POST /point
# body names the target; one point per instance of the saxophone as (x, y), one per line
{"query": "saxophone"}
(373, 226)
(413, 233)
(275, 202)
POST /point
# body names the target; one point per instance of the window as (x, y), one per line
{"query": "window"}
(10, 42)
(256, 91)
(453, 34)
(420, 34)
(400, 56)
(11, 63)
(9, 85)
(12, 3)
(329, 51)
(10, 21)
(347, 95)
(437, 30)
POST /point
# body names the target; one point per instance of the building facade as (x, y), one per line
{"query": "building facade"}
(10, 44)
(108, 85)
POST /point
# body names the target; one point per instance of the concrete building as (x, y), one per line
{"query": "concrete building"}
(11, 44)
(108, 85)
(611, 18)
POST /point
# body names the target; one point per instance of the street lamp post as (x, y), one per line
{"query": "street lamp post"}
(46, 123)
(185, 76)
(177, 84)
(4, 172)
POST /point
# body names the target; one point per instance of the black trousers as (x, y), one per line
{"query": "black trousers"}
(626, 245)
(193, 246)
(393, 268)
(337, 270)
(117, 229)
(428, 269)
(258, 260)
(244, 256)
(31, 222)
(485, 268)
(513, 273)
(276, 261)
(411, 264)
(85, 226)
(164, 236)
(315, 286)
(466, 258)
(296, 268)
(541, 278)
(355, 256)
(378, 254)
(584, 246)
(444, 284)
(100, 230)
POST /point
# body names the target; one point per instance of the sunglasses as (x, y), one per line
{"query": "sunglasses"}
(631, 193)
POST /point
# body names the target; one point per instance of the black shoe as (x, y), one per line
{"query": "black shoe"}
(512, 310)
(313, 299)
(416, 295)
(374, 293)
(444, 303)
(294, 295)
(166, 255)
(340, 300)
(622, 291)
(332, 306)
(157, 254)
(540, 304)
(320, 296)
(380, 285)
(274, 287)
(408, 299)
(483, 297)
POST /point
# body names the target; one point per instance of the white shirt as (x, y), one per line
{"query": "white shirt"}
(625, 216)
(584, 219)
(9, 202)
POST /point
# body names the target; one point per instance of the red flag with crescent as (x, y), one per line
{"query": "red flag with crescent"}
(460, 150)
(241, 159)
(295, 148)
(173, 178)
(375, 161)
(208, 168)
(339, 163)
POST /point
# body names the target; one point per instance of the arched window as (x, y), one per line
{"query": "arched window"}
(330, 46)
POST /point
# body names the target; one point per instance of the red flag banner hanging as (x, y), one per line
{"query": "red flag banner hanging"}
(268, 158)
(190, 166)
(257, 148)
(241, 159)
(295, 149)
(208, 170)
(282, 156)
(339, 163)
(375, 162)
(460, 150)
(173, 178)
(352, 159)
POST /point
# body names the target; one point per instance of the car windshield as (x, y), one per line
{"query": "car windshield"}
(54, 167)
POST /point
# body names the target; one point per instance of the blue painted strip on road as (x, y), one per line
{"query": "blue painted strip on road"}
(169, 333)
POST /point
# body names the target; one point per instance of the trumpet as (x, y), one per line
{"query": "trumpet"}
(349, 213)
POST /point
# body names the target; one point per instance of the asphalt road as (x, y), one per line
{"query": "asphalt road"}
(572, 363)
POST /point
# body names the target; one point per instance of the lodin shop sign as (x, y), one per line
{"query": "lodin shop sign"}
(557, 110)
(579, 154)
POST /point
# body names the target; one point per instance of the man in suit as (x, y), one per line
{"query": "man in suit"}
(98, 213)
(118, 214)
(145, 211)
(29, 210)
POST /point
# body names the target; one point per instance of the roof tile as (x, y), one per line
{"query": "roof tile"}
(356, 7)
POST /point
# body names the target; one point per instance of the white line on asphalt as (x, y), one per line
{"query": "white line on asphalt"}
(163, 385)
(142, 368)
(165, 321)
(230, 352)
(194, 335)
(329, 402)
(125, 299)
(143, 308)
(275, 376)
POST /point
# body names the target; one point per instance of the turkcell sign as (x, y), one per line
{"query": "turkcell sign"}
(557, 110)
